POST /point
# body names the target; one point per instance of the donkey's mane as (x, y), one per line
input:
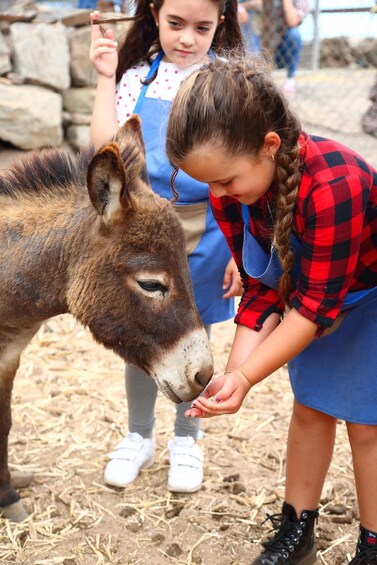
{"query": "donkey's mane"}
(56, 171)
(51, 170)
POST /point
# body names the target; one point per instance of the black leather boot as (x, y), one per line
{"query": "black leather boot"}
(293, 543)
(366, 554)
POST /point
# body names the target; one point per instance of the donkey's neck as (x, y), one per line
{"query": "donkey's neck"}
(37, 251)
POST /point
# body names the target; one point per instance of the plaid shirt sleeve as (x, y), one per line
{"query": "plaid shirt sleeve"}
(258, 301)
(336, 234)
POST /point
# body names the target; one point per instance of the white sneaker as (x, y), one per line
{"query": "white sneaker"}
(186, 465)
(132, 454)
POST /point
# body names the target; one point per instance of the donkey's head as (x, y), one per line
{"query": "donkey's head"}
(132, 286)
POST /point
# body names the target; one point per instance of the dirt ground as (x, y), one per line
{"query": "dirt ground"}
(69, 411)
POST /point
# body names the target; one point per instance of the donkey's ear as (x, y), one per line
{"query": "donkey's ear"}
(131, 130)
(131, 145)
(106, 181)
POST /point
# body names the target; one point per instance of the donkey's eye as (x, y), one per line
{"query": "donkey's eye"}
(152, 286)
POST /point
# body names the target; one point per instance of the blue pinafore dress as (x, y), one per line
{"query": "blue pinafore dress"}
(337, 373)
(207, 250)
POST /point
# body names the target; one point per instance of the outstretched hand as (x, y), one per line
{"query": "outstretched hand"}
(103, 49)
(224, 395)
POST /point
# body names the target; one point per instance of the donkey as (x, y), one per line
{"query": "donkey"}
(86, 235)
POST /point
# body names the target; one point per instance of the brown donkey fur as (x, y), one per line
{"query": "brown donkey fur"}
(87, 235)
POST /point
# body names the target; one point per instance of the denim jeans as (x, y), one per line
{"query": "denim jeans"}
(288, 52)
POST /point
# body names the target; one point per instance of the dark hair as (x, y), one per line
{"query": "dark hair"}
(142, 41)
(235, 103)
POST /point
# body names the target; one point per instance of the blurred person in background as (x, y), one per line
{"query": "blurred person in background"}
(102, 5)
(249, 16)
(281, 36)
(272, 26)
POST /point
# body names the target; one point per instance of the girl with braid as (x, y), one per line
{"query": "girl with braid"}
(299, 213)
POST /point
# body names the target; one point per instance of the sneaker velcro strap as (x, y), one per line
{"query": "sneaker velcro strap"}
(189, 459)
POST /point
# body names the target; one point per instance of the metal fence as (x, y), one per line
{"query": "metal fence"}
(337, 67)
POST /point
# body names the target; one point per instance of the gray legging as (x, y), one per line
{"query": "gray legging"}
(141, 393)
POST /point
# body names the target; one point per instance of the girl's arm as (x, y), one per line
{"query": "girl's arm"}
(104, 57)
(253, 5)
(254, 356)
(292, 16)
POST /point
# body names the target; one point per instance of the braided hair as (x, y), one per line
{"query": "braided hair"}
(235, 103)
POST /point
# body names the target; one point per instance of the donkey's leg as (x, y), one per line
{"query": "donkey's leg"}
(11, 347)
(10, 504)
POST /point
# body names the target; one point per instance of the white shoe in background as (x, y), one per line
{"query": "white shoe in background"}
(289, 87)
(132, 454)
(186, 465)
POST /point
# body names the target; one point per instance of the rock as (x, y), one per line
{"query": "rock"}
(19, 11)
(82, 72)
(158, 538)
(15, 78)
(335, 52)
(41, 54)
(173, 550)
(5, 63)
(369, 119)
(78, 136)
(174, 510)
(232, 478)
(364, 52)
(21, 479)
(127, 511)
(337, 509)
(79, 100)
(30, 116)
(76, 119)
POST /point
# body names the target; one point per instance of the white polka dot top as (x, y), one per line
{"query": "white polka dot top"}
(164, 86)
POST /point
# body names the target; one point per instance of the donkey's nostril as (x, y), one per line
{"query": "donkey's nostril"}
(203, 378)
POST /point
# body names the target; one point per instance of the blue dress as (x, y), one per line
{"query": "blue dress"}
(337, 373)
(208, 252)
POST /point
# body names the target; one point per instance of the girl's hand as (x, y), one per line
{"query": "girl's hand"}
(232, 280)
(103, 49)
(224, 395)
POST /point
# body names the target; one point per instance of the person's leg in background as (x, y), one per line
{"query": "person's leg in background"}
(136, 451)
(252, 40)
(186, 459)
(287, 55)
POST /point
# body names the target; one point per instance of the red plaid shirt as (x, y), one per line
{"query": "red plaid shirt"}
(335, 218)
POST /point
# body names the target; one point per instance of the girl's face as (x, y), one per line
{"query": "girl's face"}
(186, 29)
(243, 177)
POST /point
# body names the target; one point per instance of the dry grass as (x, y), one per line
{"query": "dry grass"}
(69, 411)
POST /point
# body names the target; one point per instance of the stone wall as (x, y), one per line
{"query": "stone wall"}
(47, 82)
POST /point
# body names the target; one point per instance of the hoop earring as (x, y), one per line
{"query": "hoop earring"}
(156, 25)
(272, 157)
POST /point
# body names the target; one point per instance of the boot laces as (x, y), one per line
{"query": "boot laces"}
(365, 556)
(287, 537)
